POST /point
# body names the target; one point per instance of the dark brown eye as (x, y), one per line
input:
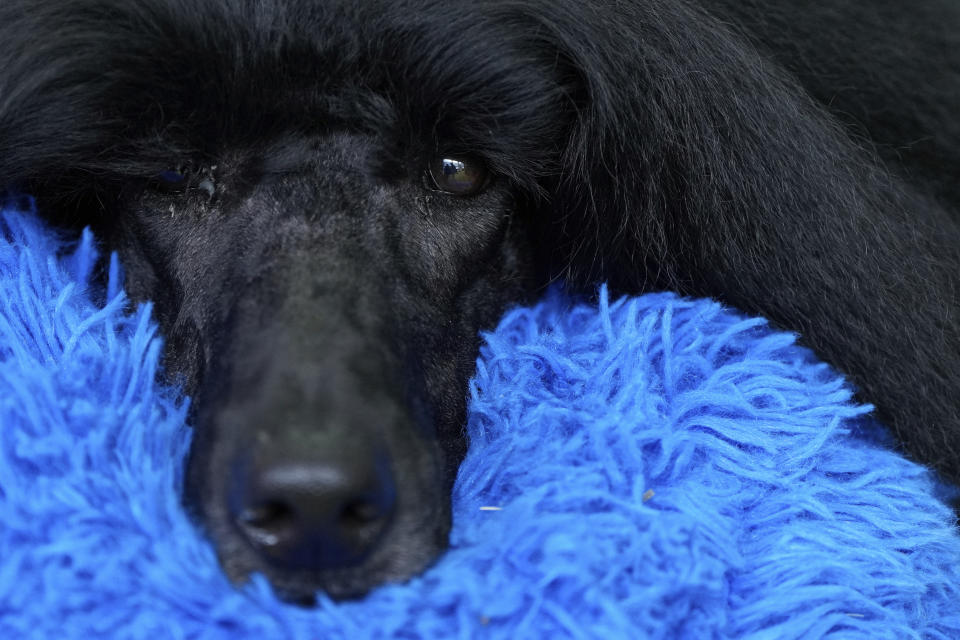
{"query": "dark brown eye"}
(459, 176)
(173, 180)
(186, 178)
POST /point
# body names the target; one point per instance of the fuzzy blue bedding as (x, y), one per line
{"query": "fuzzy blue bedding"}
(654, 467)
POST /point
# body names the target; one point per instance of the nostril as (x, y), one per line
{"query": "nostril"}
(269, 524)
(362, 513)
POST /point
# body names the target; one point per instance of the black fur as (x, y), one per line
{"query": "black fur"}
(795, 161)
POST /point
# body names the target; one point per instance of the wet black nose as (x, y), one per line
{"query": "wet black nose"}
(314, 512)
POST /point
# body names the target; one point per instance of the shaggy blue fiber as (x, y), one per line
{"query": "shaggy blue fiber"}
(649, 467)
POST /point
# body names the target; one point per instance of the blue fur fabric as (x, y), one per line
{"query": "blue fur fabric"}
(653, 468)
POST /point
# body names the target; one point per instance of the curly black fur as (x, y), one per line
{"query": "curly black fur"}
(800, 162)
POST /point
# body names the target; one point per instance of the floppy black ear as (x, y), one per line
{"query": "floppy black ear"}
(700, 165)
(59, 94)
(55, 87)
(89, 87)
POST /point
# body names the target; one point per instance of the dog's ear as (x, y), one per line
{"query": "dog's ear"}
(698, 163)
(691, 153)
(61, 100)
(53, 77)
(87, 87)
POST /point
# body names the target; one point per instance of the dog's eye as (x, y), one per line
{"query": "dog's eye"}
(173, 179)
(186, 178)
(459, 176)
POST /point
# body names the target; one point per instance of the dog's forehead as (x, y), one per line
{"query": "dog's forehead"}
(233, 51)
(182, 79)
(244, 73)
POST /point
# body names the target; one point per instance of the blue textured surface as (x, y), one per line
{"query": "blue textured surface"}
(663, 468)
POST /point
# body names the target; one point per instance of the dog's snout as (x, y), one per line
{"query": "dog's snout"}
(320, 468)
(316, 512)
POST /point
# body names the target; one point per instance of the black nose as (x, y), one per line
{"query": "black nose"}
(314, 512)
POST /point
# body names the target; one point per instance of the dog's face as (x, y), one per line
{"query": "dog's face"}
(326, 222)
(323, 297)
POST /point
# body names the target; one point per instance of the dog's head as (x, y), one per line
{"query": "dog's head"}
(328, 201)
(323, 296)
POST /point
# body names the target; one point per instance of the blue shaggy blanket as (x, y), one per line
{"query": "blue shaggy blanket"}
(649, 467)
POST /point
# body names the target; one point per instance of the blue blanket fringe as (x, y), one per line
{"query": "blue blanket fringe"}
(658, 468)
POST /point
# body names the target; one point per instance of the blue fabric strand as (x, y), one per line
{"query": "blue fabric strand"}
(649, 467)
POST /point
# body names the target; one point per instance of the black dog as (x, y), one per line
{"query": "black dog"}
(329, 199)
